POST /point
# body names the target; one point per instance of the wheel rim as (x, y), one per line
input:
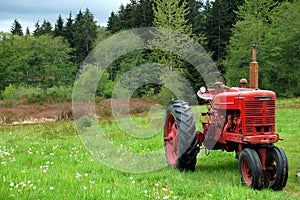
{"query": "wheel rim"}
(246, 171)
(271, 172)
(171, 143)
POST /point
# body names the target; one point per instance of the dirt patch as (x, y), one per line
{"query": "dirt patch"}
(34, 113)
(37, 113)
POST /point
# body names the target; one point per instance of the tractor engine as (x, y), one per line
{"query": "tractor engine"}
(233, 122)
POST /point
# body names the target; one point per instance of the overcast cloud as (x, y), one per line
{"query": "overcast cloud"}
(28, 12)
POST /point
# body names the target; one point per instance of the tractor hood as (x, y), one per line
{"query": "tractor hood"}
(231, 98)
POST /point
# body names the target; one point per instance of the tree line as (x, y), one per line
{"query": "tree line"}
(51, 55)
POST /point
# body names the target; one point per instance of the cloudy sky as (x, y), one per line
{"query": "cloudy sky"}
(28, 12)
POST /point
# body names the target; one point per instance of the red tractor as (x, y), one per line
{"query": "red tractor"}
(239, 119)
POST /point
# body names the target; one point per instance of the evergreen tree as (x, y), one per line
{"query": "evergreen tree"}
(59, 27)
(45, 28)
(143, 14)
(220, 20)
(281, 50)
(134, 15)
(113, 23)
(84, 33)
(170, 16)
(196, 18)
(27, 31)
(68, 30)
(16, 28)
(250, 29)
(37, 30)
(125, 17)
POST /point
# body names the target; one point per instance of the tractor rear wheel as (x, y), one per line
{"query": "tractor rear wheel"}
(250, 169)
(276, 168)
(181, 145)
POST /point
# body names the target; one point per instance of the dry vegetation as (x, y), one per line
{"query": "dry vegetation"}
(37, 113)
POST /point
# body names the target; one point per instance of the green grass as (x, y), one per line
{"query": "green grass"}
(50, 161)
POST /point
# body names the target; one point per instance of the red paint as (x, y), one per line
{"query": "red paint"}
(171, 139)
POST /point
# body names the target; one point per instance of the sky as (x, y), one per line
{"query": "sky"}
(28, 12)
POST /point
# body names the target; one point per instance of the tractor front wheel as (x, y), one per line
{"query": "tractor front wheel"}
(181, 145)
(276, 168)
(250, 169)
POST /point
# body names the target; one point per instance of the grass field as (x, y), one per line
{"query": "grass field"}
(50, 161)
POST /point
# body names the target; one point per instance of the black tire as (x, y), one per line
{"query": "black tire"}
(181, 145)
(277, 168)
(250, 169)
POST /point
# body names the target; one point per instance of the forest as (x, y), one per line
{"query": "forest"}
(41, 65)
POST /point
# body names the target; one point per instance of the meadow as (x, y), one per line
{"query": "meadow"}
(50, 161)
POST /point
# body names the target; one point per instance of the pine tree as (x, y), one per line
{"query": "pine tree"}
(16, 28)
(250, 29)
(45, 28)
(134, 15)
(170, 14)
(170, 17)
(37, 30)
(113, 23)
(220, 20)
(59, 27)
(196, 18)
(125, 17)
(143, 15)
(84, 33)
(68, 30)
(27, 31)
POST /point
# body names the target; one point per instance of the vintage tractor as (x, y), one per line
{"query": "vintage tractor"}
(239, 119)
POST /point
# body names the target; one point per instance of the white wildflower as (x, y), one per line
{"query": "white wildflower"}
(166, 197)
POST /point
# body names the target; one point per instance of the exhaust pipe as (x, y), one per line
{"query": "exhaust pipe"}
(253, 70)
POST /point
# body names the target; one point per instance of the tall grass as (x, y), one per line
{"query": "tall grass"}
(49, 161)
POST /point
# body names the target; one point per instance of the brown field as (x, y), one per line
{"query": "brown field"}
(38, 113)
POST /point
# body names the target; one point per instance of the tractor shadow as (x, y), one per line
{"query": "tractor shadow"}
(223, 171)
(217, 164)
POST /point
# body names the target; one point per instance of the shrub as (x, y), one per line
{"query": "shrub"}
(32, 94)
(9, 93)
(28, 94)
(84, 123)
(59, 94)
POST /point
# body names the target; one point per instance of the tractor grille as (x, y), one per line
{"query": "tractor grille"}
(260, 116)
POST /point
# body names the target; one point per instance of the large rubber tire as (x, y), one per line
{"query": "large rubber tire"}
(277, 168)
(250, 169)
(181, 145)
